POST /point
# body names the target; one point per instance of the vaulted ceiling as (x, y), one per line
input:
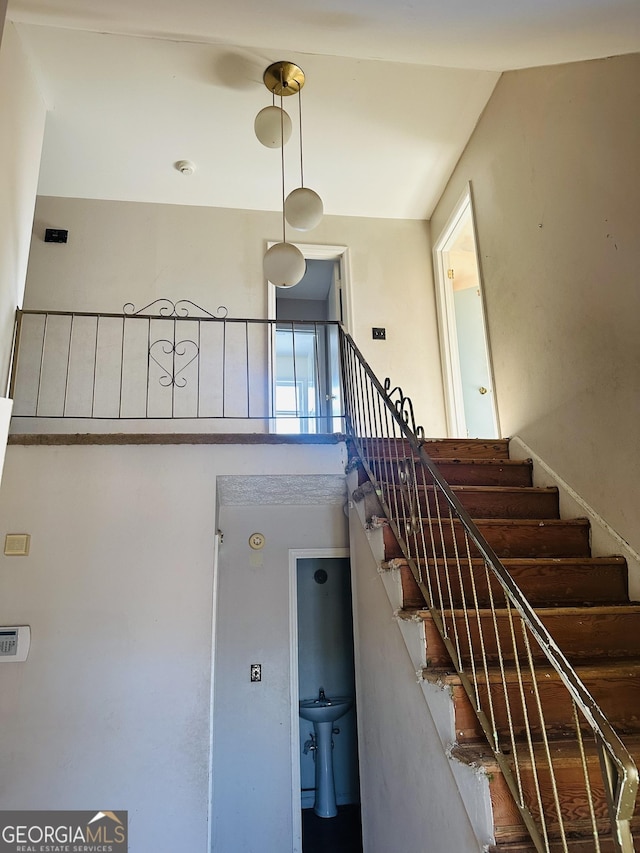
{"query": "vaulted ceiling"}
(393, 91)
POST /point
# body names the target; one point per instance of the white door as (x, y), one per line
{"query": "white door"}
(471, 404)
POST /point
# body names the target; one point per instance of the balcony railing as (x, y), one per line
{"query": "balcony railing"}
(172, 361)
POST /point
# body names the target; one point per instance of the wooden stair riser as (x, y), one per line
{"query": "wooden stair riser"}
(519, 538)
(616, 693)
(543, 582)
(482, 501)
(574, 804)
(574, 845)
(586, 636)
(462, 473)
(447, 448)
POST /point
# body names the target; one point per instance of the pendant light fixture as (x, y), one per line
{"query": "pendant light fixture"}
(284, 264)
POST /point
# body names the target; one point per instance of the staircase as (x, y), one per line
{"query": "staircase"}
(543, 742)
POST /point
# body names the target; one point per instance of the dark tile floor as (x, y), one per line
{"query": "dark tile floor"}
(341, 834)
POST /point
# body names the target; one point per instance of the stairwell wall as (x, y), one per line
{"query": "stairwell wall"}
(410, 798)
(113, 703)
(122, 252)
(555, 178)
(21, 133)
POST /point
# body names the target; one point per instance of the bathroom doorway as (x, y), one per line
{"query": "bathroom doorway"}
(323, 660)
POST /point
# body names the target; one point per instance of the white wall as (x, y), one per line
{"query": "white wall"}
(3, 12)
(124, 251)
(112, 705)
(22, 117)
(556, 177)
(252, 722)
(407, 784)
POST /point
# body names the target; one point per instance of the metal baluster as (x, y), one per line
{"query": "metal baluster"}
(246, 355)
(504, 682)
(95, 367)
(66, 379)
(198, 366)
(224, 367)
(587, 781)
(545, 740)
(527, 728)
(44, 338)
(122, 369)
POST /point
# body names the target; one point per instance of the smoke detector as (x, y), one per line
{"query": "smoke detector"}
(185, 167)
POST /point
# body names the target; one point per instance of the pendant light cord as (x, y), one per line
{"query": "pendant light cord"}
(300, 122)
(284, 237)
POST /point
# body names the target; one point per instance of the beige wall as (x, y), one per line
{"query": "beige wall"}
(124, 251)
(555, 173)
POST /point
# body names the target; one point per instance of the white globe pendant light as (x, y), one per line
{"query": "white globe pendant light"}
(284, 265)
(273, 127)
(303, 208)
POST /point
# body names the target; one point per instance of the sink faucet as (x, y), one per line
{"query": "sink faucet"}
(321, 696)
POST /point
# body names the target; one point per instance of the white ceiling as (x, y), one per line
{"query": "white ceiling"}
(393, 91)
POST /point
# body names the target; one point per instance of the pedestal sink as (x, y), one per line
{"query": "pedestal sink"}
(323, 712)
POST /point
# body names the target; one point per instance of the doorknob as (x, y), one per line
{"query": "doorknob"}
(482, 389)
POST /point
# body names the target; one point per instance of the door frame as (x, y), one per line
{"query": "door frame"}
(447, 331)
(311, 251)
(321, 253)
(296, 554)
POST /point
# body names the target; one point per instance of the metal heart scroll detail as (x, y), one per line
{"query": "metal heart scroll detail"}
(173, 358)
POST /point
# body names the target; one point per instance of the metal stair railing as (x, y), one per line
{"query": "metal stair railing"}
(443, 548)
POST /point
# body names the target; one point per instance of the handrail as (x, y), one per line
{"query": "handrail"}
(373, 415)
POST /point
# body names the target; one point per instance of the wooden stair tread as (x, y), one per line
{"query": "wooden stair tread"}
(559, 562)
(521, 537)
(544, 580)
(590, 610)
(494, 448)
(485, 501)
(586, 671)
(563, 751)
(583, 844)
(464, 472)
(528, 523)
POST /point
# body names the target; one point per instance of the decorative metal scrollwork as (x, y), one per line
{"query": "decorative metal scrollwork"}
(181, 309)
(173, 357)
(181, 353)
(407, 480)
(404, 407)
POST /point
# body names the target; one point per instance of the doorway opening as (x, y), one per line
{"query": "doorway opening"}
(323, 663)
(305, 373)
(464, 342)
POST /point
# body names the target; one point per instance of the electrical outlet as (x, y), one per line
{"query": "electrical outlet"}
(378, 333)
(256, 672)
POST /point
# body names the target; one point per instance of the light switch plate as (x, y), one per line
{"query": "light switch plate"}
(17, 545)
